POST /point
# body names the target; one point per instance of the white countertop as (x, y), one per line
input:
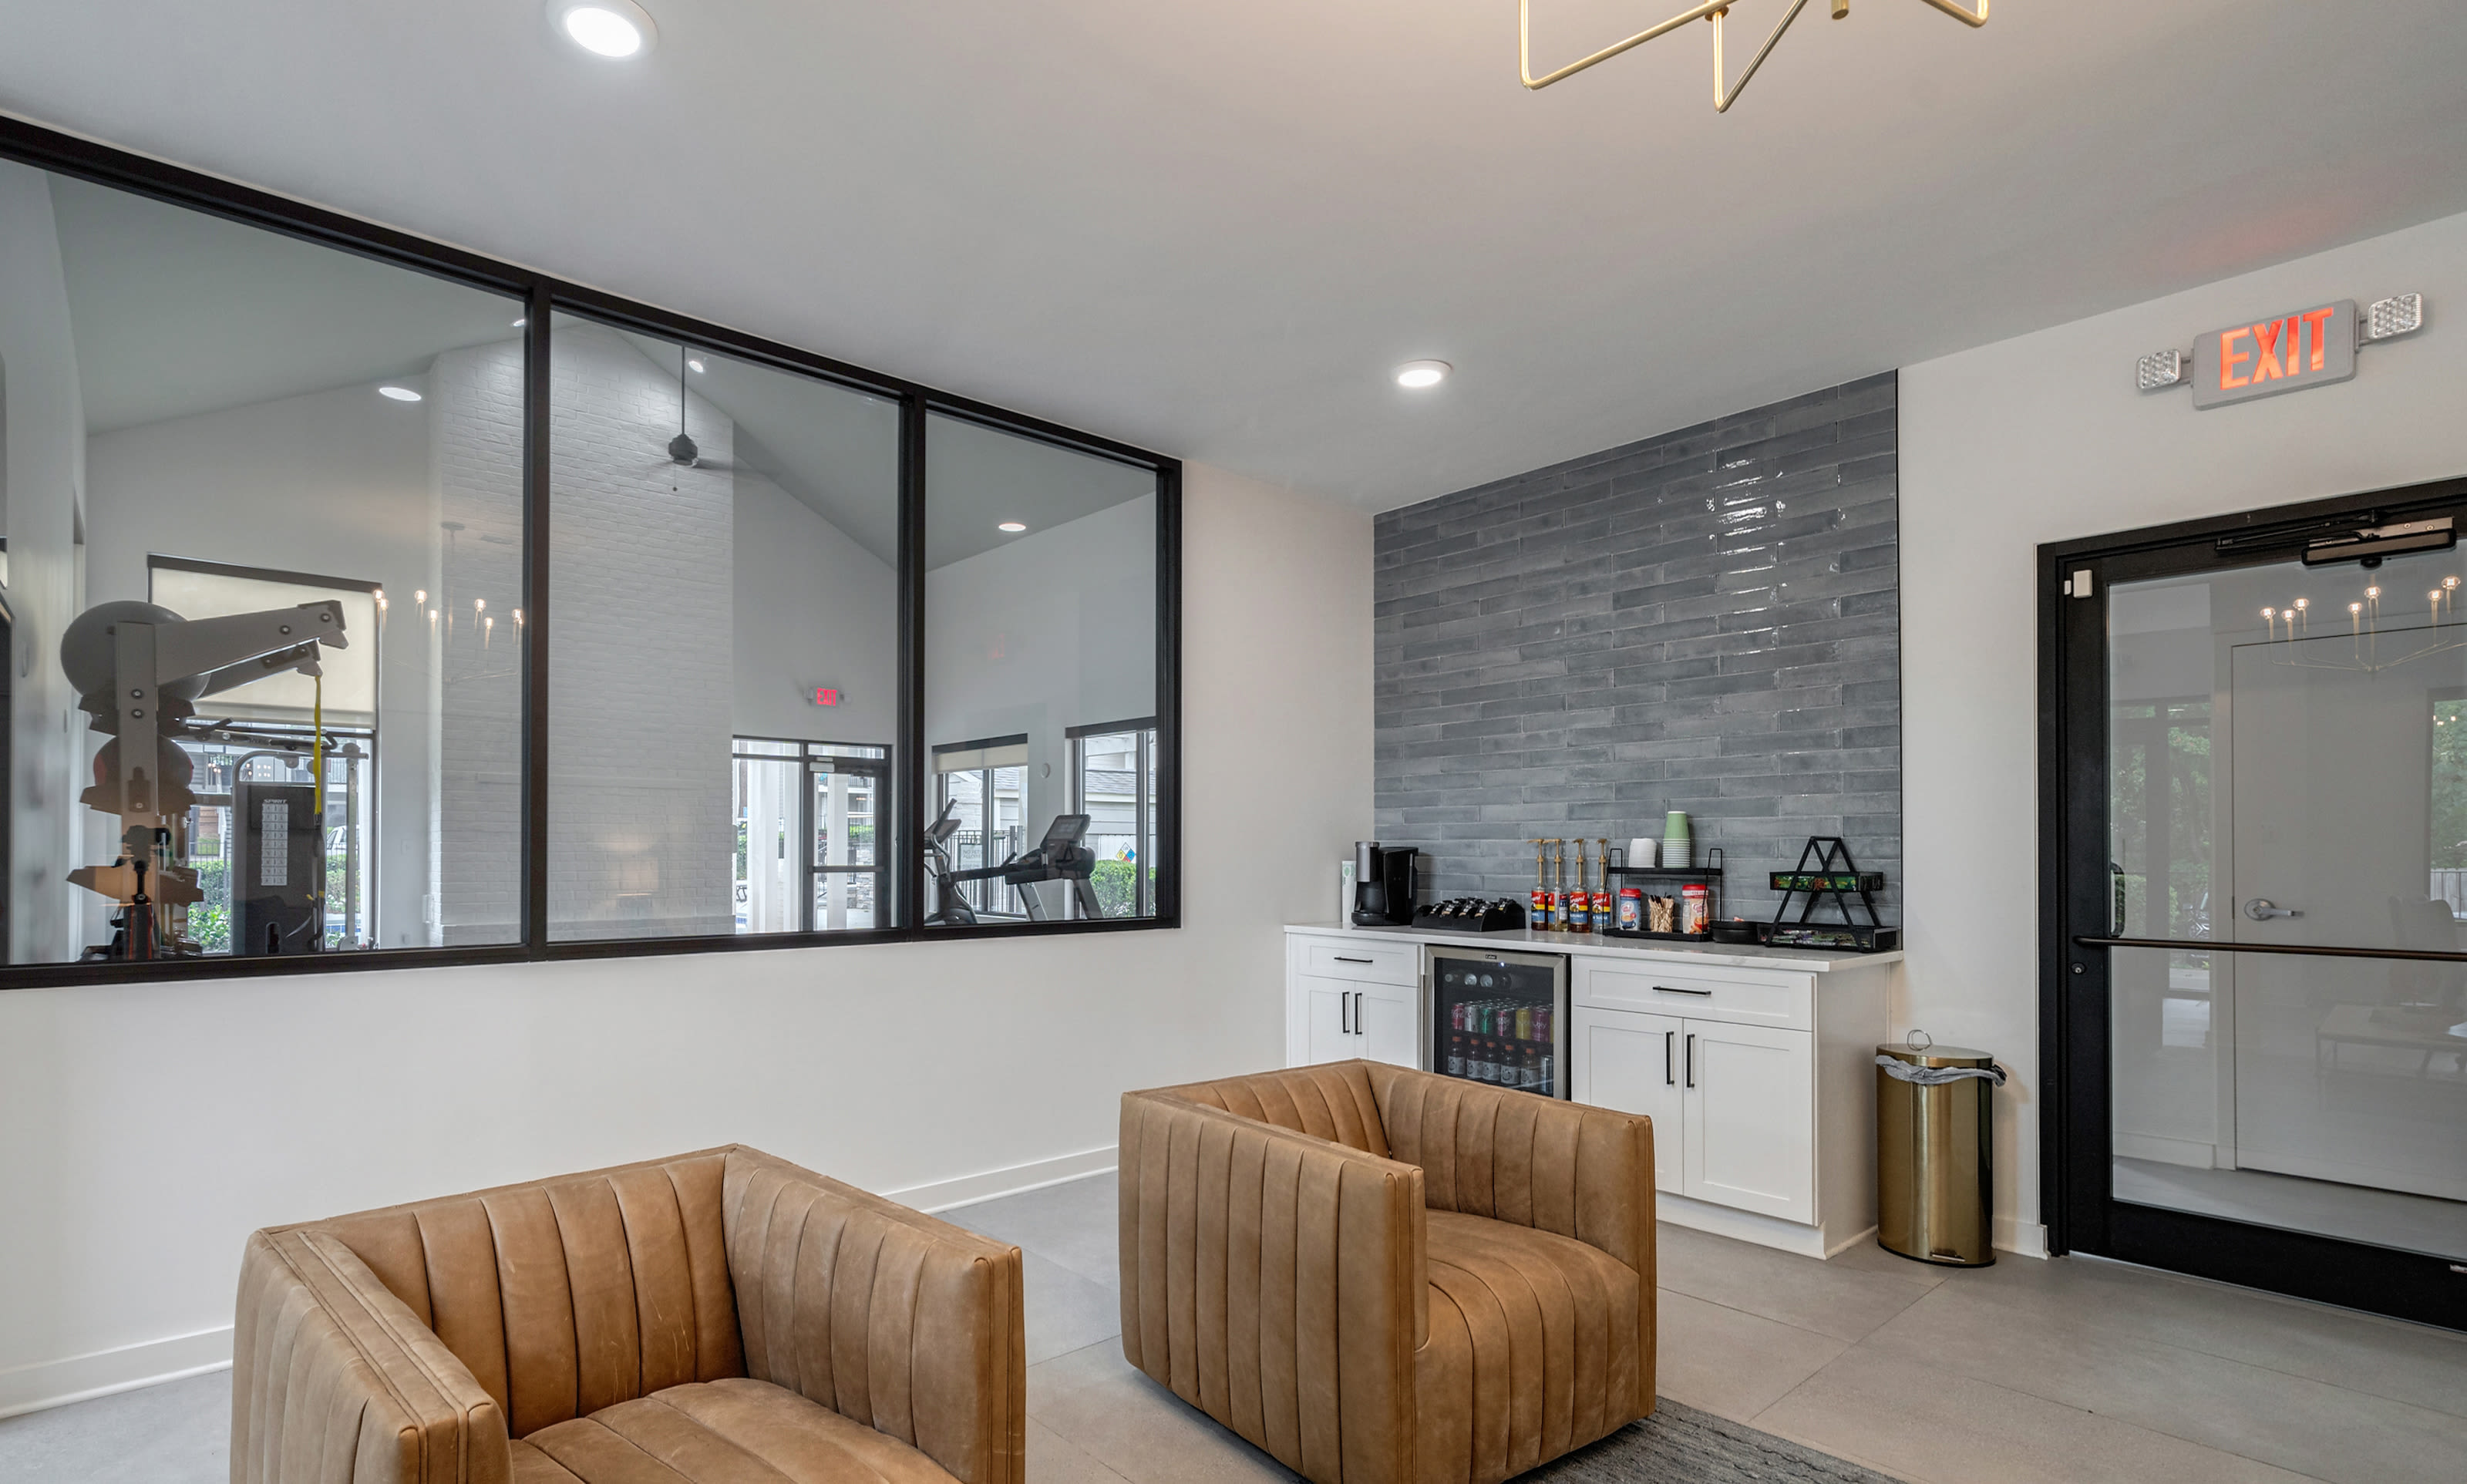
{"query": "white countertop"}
(1734, 955)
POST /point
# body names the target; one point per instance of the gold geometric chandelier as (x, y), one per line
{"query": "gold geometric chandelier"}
(1725, 92)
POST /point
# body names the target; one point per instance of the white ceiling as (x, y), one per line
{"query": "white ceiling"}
(176, 312)
(1212, 229)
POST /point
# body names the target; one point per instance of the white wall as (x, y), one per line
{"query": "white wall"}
(813, 608)
(2043, 439)
(146, 1128)
(41, 481)
(1051, 631)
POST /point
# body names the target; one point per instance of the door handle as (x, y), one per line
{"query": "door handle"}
(1357, 1012)
(1670, 1058)
(1691, 1059)
(1345, 1014)
(1673, 989)
(2262, 909)
(1340, 959)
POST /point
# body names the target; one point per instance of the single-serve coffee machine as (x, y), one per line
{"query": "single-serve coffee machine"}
(1383, 883)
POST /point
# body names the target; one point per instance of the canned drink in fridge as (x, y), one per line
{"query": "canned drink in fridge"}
(1524, 1022)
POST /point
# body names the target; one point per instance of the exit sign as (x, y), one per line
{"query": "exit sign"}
(2284, 352)
(826, 696)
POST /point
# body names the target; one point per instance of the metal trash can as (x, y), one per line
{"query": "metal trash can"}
(1935, 1112)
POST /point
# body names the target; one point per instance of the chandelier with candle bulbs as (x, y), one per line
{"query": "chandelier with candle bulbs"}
(1725, 92)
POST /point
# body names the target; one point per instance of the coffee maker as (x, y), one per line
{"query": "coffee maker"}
(1383, 883)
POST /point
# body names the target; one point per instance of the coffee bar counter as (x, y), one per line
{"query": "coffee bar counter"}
(1741, 956)
(1756, 1065)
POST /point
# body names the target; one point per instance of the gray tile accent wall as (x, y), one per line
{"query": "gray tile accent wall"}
(1708, 620)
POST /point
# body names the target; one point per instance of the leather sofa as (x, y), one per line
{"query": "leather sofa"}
(1381, 1276)
(722, 1315)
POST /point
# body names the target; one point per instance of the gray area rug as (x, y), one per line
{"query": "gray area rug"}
(1679, 1445)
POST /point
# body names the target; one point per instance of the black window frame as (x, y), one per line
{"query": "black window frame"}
(2077, 929)
(1144, 800)
(541, 296)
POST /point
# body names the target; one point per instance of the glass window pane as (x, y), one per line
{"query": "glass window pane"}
(724, 540)
(2282, 772)
(1040, 617)
(207, 421)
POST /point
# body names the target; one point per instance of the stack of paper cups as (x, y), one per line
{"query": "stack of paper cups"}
(1678, 844)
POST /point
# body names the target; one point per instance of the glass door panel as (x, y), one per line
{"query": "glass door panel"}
(847, 872)
(2282, 774)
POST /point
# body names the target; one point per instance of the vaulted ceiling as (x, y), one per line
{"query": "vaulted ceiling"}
(1212, 230)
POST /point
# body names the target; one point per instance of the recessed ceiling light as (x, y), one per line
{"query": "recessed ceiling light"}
(697, 364)
(399, 394)
(525, 320)
(613, 29)
(1417, 374)
(1013, 527)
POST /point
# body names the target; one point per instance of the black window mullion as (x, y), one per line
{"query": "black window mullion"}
(537, 468)
(1169, 694)
(903, 835)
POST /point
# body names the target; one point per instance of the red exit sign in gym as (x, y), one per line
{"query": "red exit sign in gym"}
(2285, 352)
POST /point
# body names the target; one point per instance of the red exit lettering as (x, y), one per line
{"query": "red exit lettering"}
(2274, 348)
(826, 696)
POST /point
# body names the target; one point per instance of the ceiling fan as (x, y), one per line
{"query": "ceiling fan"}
(683, 450)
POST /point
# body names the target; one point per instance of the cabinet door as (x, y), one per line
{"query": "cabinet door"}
(1629, 1063)
(1748, 1132)
(1387, 1027)
(1328, 1013)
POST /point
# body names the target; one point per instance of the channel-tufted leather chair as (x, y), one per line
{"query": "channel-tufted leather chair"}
(722, 1315)
(1380, 1276)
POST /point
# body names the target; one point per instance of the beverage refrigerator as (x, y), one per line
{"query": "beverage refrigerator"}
(1499, 1017)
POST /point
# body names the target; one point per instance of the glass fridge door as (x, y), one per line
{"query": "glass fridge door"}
(1497, 1022)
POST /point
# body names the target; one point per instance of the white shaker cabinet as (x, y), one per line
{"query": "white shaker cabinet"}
(1345, 1001)
(1760, 1082)
(1630, 1061)
(1756, 1066)
(1747, 1132)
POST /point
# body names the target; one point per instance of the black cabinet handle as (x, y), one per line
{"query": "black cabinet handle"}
(1344, 1015)
(1669, 1058)
(1692, 1059)
(1673, 989)
(1340, 959)
(1357, 1012)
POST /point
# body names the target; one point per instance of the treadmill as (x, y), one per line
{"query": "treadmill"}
(1059, 857)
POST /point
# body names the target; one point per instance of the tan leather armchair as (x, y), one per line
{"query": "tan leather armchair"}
(720, 1315)
(1380, 1276)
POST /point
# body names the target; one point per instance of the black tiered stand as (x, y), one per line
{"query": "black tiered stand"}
(1824, 871)
(1709, 873)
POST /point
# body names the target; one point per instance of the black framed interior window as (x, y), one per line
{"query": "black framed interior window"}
(582, 628)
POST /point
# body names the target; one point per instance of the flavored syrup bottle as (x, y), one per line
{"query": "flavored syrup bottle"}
(1602, 891)
(1581, 905)
(1539, 917)
(1559, 885)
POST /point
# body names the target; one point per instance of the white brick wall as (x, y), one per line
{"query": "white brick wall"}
(475, 705)
(639, 836)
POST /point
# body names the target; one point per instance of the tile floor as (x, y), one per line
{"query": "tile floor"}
(2072, 1370)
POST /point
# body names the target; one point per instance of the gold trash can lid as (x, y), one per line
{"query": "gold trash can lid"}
(1937, 1056)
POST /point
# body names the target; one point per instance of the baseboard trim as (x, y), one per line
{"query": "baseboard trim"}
(82, 1378)
(1755, 1227)
(949, 1195)
(2020, 1238)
